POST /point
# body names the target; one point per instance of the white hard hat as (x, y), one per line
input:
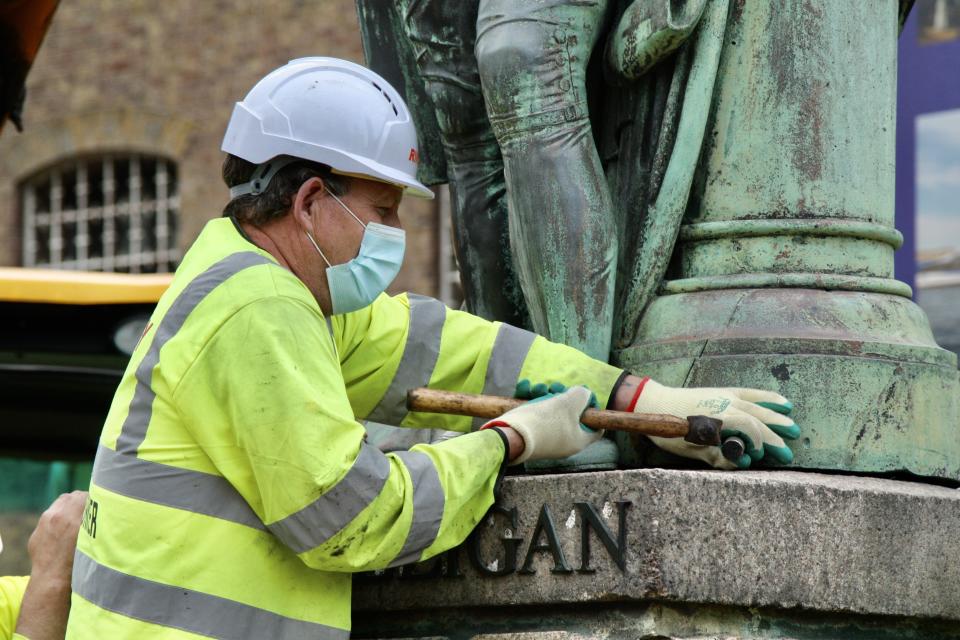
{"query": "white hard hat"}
(330, 111)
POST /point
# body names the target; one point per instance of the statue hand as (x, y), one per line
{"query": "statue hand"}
(648, 32)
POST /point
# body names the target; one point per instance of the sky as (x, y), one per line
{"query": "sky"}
(938, 180)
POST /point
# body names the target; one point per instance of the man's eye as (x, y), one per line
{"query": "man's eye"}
(384, 211)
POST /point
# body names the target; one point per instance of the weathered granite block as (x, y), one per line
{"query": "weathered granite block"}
(867, 551)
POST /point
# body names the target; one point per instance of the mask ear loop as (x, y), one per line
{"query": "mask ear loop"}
(346, 208)
(315, 246)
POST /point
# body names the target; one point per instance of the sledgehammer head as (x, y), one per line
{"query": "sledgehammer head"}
(704, 430)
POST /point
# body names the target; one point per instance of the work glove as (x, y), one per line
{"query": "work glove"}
(550, 425)
(527, 390)
(759, 418)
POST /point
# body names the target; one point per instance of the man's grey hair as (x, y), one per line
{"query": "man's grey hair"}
(275, 200)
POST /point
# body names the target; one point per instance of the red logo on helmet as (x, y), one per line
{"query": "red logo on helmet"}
(414, 157)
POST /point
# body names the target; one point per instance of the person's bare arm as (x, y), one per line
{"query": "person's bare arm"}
(46, 602)
(625, 393)
(515, 443)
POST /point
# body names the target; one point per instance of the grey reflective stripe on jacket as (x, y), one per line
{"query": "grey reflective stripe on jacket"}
(428, 502)
(171, 486)
(420, 354)
(330, 513)
(214, 496)
(312, 526)
(186, 609)
(510, 349)
(134, 428)
(422, 350)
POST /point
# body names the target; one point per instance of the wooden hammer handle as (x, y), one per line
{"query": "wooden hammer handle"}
(467, 404)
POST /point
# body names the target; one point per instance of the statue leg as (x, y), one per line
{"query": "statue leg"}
(443, 35)
(532, 59)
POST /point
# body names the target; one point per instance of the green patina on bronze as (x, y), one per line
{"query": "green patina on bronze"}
(782, 276)
(426, 49)
(738, 172)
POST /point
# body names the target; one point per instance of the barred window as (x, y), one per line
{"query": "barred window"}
(115, 212)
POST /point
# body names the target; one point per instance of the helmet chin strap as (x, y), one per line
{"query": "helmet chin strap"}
(261, 177)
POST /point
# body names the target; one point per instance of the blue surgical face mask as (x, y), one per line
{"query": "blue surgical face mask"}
(357, 282)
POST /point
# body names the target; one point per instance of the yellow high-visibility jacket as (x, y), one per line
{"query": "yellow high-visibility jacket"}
(11, 596)
(233, 493)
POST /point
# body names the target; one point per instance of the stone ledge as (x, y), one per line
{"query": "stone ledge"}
(781, 539)
(643, 621)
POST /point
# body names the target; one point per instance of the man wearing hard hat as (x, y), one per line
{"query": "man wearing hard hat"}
(233, 488)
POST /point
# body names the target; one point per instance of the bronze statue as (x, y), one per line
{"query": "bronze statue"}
(510, 88)
(700, 190)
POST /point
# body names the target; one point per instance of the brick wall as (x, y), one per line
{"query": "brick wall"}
(162, 77)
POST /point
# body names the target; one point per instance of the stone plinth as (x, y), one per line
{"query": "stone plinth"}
(689, 554)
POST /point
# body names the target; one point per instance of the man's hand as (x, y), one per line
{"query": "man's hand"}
(550, 425)
(46, 602)
(757, 417)
(53, 542)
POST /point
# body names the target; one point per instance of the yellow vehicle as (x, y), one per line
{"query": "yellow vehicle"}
(65, 338)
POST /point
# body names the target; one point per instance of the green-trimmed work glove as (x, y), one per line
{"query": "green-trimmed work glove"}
(550, 425)
(759, 418)
(527, 390)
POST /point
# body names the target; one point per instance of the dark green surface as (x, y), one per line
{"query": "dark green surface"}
(27, 485)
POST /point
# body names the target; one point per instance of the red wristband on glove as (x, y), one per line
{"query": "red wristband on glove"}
(636, 396)
(492, 424)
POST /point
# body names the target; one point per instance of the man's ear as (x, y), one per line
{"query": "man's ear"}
(306, 200)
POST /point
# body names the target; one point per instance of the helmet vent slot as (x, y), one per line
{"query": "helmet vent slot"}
(385, 95)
